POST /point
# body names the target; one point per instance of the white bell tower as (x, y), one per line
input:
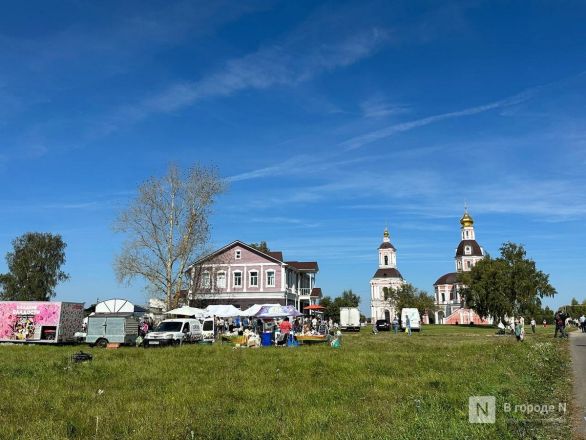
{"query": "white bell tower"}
(387, 254)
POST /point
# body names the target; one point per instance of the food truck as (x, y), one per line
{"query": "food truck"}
(44, 322)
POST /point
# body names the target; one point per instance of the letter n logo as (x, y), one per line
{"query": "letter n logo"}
(481, 409)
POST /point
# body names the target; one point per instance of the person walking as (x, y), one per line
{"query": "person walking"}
(582, 320)
(533, 324)
(518, 330)
(395, 324)
(408, 325)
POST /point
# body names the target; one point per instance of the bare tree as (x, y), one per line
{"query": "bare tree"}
(167, 228)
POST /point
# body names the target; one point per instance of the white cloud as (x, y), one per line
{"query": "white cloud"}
(288, 63)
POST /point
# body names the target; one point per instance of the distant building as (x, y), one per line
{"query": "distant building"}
(448, 299)
(387, 275)
(241, 275)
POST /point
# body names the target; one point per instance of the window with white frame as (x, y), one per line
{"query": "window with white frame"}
(468, 264)
(467, 250)
(237, 280)
(270, 278)
(221, 280)
(205, 280)
(253, 278)
(237, 254)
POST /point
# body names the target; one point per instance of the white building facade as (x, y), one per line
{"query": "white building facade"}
(387, 275)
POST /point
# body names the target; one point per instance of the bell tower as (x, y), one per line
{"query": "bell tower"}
(387, 254)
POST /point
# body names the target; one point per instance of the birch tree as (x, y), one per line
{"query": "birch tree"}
(167, 227)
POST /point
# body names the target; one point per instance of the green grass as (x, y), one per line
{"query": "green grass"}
(375, 386)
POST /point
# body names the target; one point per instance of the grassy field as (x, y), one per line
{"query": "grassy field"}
(375, 386)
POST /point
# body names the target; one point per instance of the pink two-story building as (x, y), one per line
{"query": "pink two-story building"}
(241, 275)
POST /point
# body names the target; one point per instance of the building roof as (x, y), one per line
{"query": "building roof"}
(278, 255)
(386, 245)
(303, 265)
(389, 272)
(449, 278)
(270, 256)
(476, 250)
(316, 292)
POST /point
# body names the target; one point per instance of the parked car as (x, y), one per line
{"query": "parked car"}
(383, 325)
(174, 332)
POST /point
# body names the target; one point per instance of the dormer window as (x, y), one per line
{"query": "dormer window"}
(238, 254)
(467, 250)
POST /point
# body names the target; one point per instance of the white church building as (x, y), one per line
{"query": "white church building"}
(447, 288)
(387, 275)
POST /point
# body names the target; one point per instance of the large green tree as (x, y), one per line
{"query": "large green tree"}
(508, 285)
(332, 307)
(34, 267)
(262, 247)
(409, 296)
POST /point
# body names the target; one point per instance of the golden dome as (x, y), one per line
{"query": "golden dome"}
(386, 234)
(466, 221)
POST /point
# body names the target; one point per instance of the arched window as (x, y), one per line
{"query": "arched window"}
(467, 250)
(386, 260)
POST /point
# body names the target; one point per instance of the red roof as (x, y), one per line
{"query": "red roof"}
(316, 292)
(303, 265)
(277, 255)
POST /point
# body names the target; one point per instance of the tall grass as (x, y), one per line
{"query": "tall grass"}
(375, 386)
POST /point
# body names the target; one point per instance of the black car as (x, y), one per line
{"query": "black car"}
(383, 325)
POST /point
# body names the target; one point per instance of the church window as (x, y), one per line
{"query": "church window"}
(467, 250)
(386, 260)
(443, 297)
(468, 264)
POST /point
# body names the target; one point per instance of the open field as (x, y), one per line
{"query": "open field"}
(375, 386)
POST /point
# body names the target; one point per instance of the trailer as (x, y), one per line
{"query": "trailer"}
(350, 319)
(116, 328)
(43, 322)
(115, 321)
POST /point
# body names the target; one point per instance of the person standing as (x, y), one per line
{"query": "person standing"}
(544, 323)
(533, 324)
(395, 324)
(582, 320)
(408, 325)
(285, 328)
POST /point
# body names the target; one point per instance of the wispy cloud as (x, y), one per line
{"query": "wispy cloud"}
(373, 136)
(377, 107)
(288, 63)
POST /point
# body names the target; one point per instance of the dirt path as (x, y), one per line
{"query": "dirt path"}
(578, 349)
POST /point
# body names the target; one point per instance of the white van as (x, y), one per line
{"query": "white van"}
(350, 319)
(209, 329)
(174, 332)
(414, 319)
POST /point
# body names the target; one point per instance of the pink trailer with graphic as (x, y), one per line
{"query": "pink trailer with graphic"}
(40, 321)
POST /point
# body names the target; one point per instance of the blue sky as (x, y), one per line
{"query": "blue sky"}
(331, 120)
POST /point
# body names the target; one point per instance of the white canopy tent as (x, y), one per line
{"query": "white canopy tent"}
(223, 311)
(188, 311)
(253, 310)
